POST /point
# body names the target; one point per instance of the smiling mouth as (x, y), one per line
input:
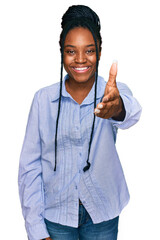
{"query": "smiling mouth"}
(81, 70)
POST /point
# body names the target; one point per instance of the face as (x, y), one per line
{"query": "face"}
(80, 55)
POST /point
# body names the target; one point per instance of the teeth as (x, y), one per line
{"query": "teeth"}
(81, 69)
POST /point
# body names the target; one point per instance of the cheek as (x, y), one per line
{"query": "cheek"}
(92, 59)
(67, 61)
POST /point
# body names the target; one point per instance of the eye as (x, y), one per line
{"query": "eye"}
(70, 52)
(90, 51)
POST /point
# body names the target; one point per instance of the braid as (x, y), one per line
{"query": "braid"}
(79, 16)
(60, 94)
(95, 96)
(59, 105)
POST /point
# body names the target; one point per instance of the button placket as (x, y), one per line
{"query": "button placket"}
(77, 121)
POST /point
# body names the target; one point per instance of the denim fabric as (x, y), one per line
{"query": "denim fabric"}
(106, 230)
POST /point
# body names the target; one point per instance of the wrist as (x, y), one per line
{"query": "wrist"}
(121, 113)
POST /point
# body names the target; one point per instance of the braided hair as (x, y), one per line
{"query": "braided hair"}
(79, 16)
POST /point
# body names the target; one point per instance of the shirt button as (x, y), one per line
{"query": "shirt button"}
(76, 187)
(80, 154)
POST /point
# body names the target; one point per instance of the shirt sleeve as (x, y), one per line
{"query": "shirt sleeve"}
(132, 108)
(30, 178)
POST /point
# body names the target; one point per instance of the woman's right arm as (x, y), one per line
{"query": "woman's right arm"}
(30, 177)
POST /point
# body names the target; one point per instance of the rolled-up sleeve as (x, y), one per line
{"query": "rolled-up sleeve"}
(30, 177)
(132, 108)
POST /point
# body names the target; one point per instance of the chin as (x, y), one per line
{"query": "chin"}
(82, 78)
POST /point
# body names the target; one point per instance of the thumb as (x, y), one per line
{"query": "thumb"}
(112, 78)
(112, 74)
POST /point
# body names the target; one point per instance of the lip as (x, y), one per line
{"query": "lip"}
(80, 69)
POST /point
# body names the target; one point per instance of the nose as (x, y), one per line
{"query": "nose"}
(80, 58)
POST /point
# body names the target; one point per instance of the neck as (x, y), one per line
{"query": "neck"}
(75, 86)
(78, 91)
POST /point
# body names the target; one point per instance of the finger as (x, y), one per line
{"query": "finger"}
(111, 96)
(107, 111)
(99, 108)
(112, 75)
(100, 105)
(101, 112)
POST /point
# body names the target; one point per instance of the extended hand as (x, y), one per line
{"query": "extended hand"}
(111, 105)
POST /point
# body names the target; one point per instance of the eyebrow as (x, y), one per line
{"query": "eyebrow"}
(90, 45)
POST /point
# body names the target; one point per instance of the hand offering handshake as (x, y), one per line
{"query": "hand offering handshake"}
(111, 105)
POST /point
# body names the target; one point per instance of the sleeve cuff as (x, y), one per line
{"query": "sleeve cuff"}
(133, 112)
(37, 231)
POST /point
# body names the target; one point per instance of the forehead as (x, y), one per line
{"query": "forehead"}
(79, 36)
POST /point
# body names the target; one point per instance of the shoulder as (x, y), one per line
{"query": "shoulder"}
(50, 92)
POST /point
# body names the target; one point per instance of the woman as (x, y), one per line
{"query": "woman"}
(71, 182)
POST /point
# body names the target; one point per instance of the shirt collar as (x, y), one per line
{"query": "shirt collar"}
(90, 97)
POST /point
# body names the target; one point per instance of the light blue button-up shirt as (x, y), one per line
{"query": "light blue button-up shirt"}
(54, 195)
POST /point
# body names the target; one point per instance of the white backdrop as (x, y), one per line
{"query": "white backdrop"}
(30, 59)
